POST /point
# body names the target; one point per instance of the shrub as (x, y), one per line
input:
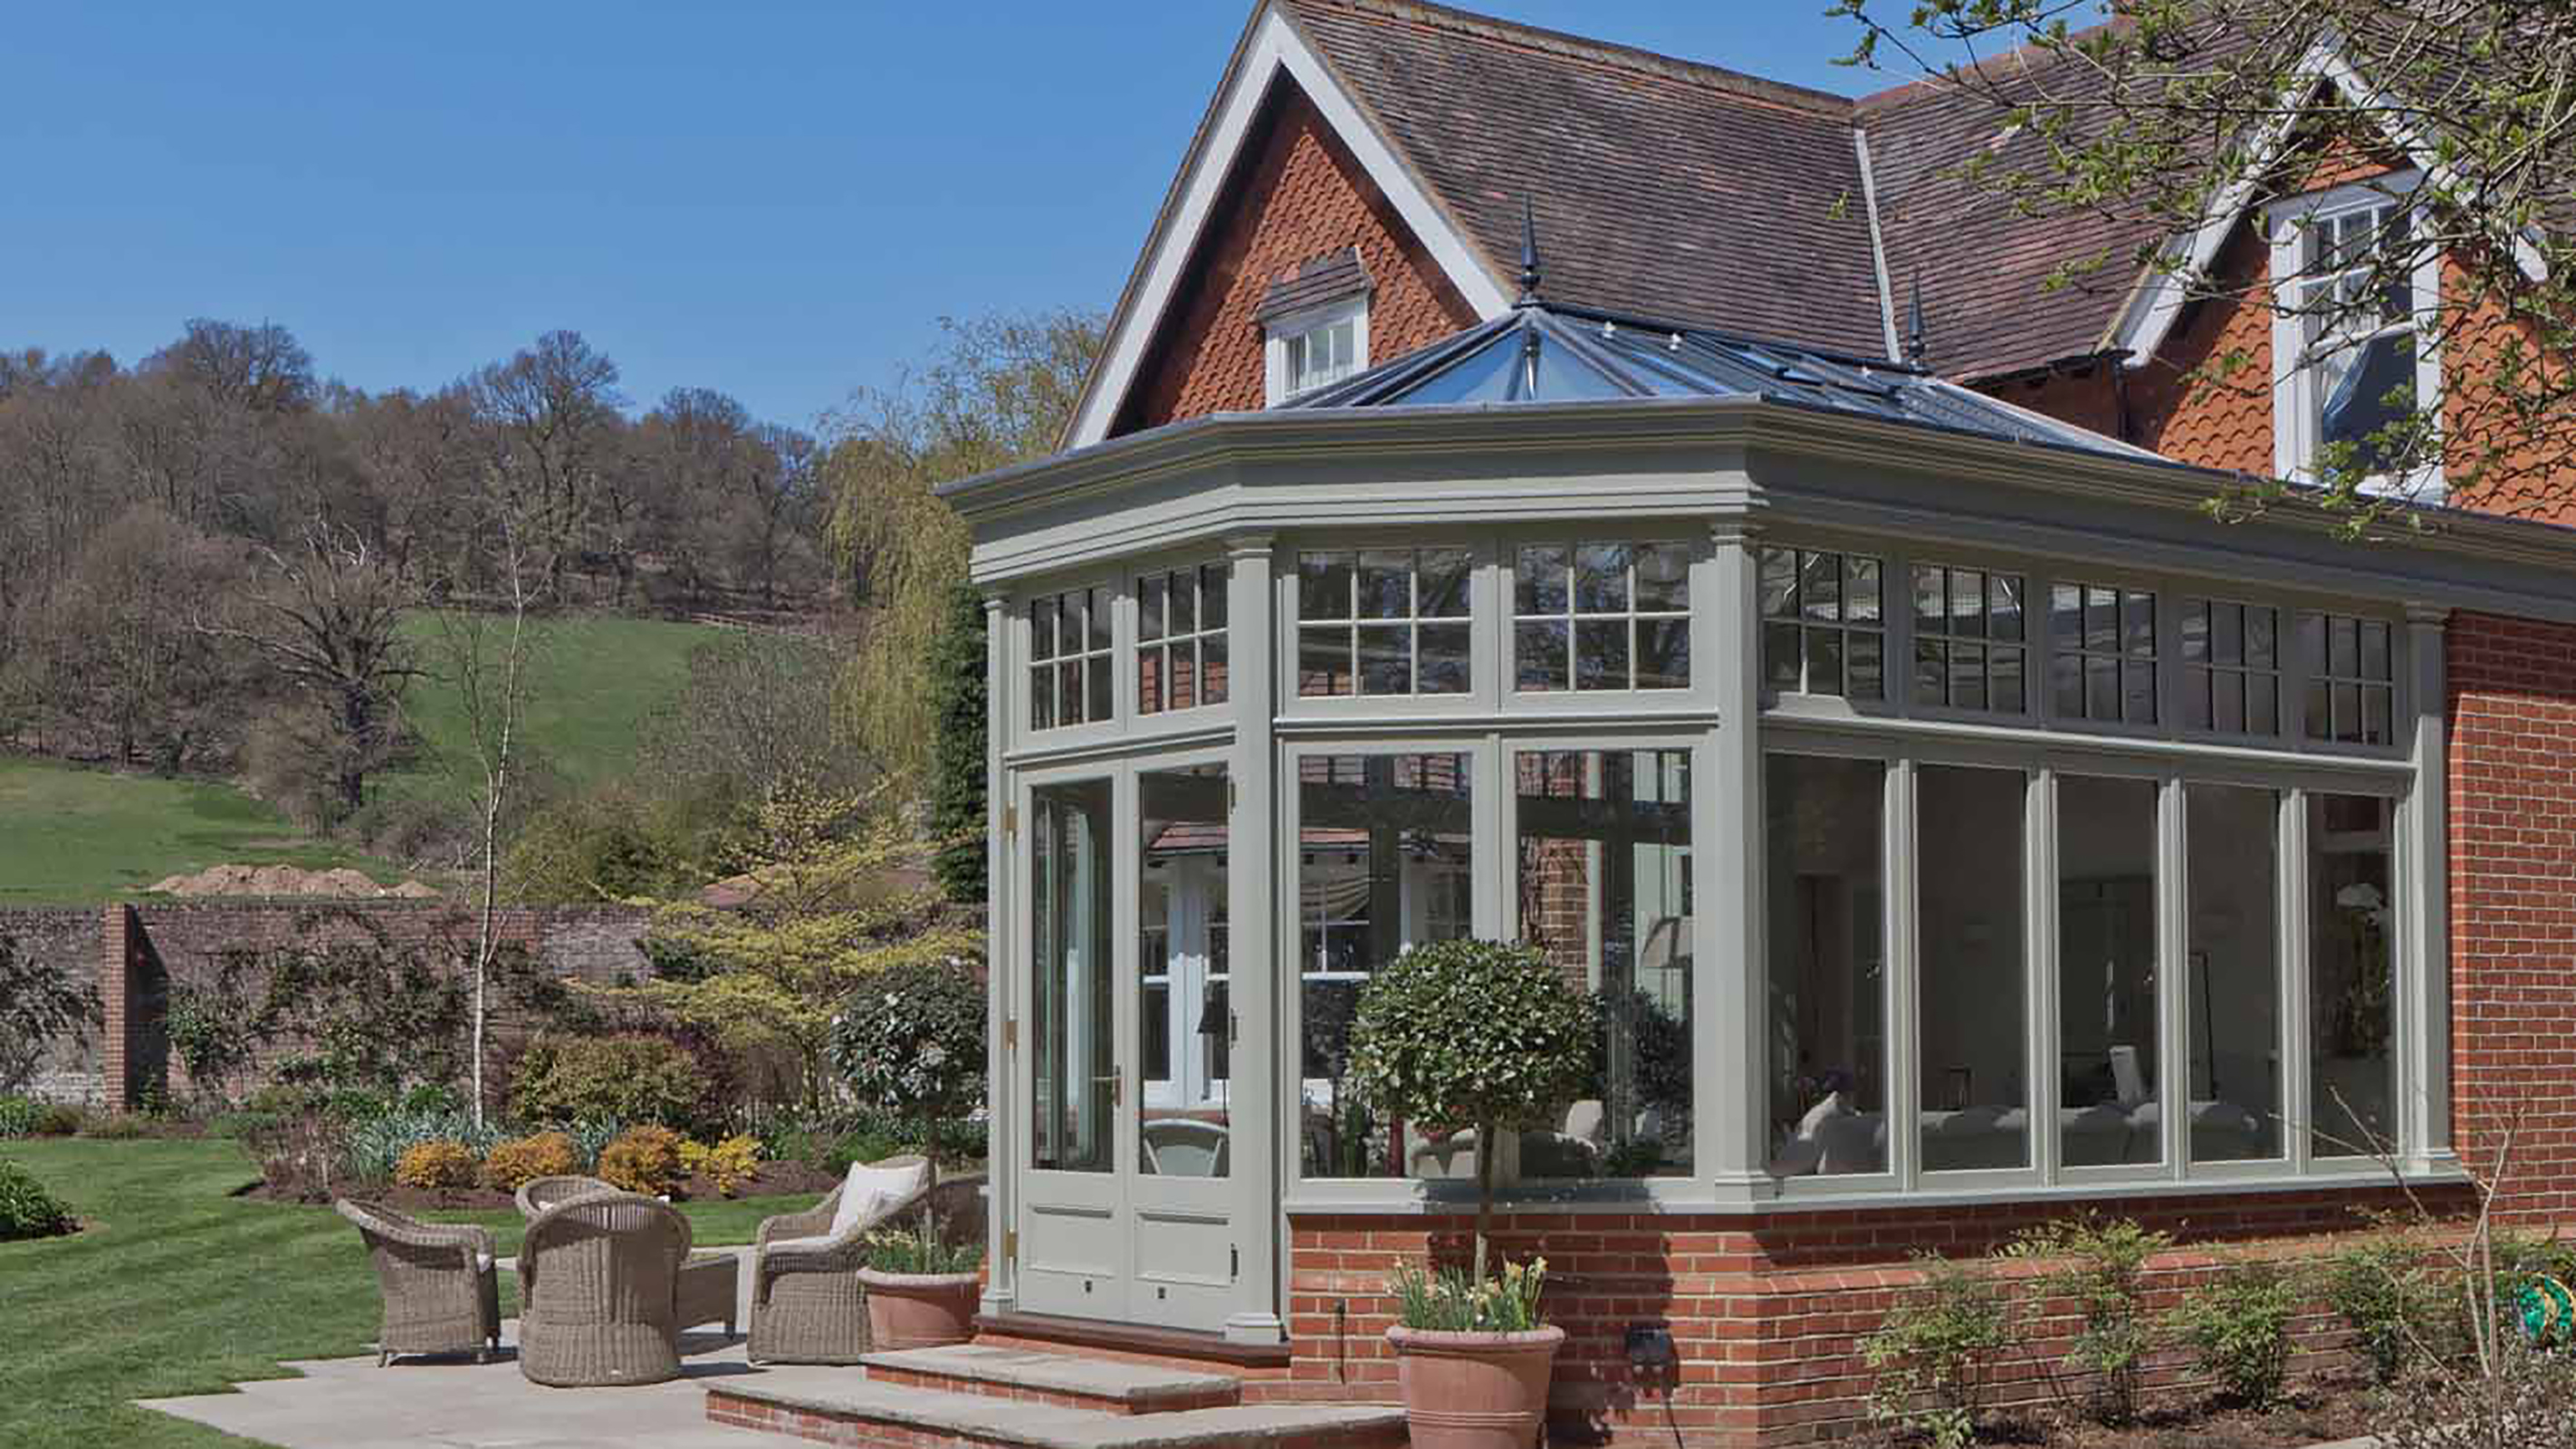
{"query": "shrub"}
(732, 1162)
(1937, 1351)
(26, 1209)
(2238, 1329)
(2382, 1288)
(633, 1077)
(643, 1159)
(18, 1116)
(589, 1139)
(1450, 1301)
(117, 1127)
(922, 1249)
(510, 1165)
(912, 1042)
(2101, 1264)
(373, 1147)
(1471, 1034)
(442, 1163)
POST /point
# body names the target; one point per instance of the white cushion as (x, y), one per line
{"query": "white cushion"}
(793, 1244)
(868, 1190)
(482, 1262)
(1814, 1121)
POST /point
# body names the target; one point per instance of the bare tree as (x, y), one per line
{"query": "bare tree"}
(327, 618)
(553, 411)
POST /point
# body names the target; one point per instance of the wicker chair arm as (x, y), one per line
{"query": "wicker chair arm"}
(812, 1223)
(845, 1252)
(394, 1227)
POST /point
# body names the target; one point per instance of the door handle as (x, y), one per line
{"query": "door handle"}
(1117, 1084)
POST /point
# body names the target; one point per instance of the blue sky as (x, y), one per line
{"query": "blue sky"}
(774, 199)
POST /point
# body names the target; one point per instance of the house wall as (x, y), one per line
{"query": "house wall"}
(1300, 195)
(1766, 1313)
(2513, 904)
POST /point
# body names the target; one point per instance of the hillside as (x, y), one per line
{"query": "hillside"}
(76, 834)
(599, 678)
(80, 835)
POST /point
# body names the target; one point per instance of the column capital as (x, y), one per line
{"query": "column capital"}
(2432, 616)
(1734, 528)
(996, 598)
(1248, 545)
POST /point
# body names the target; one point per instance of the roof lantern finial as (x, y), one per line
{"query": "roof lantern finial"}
(1529, 255)
(1917, 345)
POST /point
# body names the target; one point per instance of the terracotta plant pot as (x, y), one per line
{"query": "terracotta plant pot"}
(1474, 1390)
(919, 1310)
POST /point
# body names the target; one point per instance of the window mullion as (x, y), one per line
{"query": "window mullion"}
(2298, 1034)
(2173, 972)
(2040, 951)
(1900, 928)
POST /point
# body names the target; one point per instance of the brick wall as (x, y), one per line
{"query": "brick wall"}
(1766, 1312)
(138, 954)
(2513, 902)
(67, 939)
(1298, 195)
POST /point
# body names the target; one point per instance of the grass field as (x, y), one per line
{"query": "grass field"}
(75, 835)
(598, 680)
(80, 835)
(175, 1287)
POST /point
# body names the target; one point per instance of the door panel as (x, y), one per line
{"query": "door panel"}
(1073, 1253)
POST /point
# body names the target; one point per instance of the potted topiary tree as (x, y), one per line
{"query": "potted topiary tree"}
(912, 1041)
(1488, 1036)
(921, 1287)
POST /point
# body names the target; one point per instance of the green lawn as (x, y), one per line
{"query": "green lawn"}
(175, 1287)
(597, 680)
(79, 835)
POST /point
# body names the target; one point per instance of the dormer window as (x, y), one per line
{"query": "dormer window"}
(1315, 325)
(2348, 360)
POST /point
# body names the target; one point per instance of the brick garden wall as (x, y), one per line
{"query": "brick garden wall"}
(136, 954)
(2513, 903)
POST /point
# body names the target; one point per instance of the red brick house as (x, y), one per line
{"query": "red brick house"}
(1957, 826)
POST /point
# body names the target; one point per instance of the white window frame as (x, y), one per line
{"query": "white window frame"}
(1281, 331)
(2295, 404)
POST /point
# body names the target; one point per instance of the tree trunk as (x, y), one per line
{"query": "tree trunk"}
(1486, 1146)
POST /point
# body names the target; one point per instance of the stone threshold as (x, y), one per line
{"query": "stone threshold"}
(865, 1412)
(1029, 1376)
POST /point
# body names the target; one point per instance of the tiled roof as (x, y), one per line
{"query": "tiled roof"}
(1326, 279)
(1660, 186)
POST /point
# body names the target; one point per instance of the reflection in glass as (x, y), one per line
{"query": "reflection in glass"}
(1975, 1094)
(1828, 965)
(1604, 890)
(2352, 1006)
(2235, 983)
(1072, 1063)
(2111, 1112)
(1185, 1022)
(1384, 862)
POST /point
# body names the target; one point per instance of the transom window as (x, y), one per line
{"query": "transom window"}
(1069, 659)
(1824, 625)
(1180, 639)
(2104, 664)
(1384, 621)
(1968, 650)
(2231, 667)
(1601, 616)
(2352, 684)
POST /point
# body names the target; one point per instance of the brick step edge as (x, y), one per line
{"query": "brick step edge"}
(1124, 1405)
(856, 1426)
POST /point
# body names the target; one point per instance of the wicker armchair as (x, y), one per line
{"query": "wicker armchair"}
(441, 1295)
(599, 1277)
(540, 1193)
(806, 1302)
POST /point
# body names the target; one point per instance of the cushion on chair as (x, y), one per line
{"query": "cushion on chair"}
(870, 1188)
(798, 1244)
(482, 1262)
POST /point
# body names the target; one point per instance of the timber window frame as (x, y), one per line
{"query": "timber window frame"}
(2304, 232)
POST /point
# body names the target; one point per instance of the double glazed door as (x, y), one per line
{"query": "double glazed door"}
(1127, 1193)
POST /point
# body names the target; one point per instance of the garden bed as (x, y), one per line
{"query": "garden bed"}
(776, 1179)
(2322, 1410)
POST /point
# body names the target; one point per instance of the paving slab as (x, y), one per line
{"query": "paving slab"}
(1046, 1426)
(455, 1403)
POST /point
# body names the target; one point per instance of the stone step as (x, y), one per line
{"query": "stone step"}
(1030, 1376)
(832, 1408)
